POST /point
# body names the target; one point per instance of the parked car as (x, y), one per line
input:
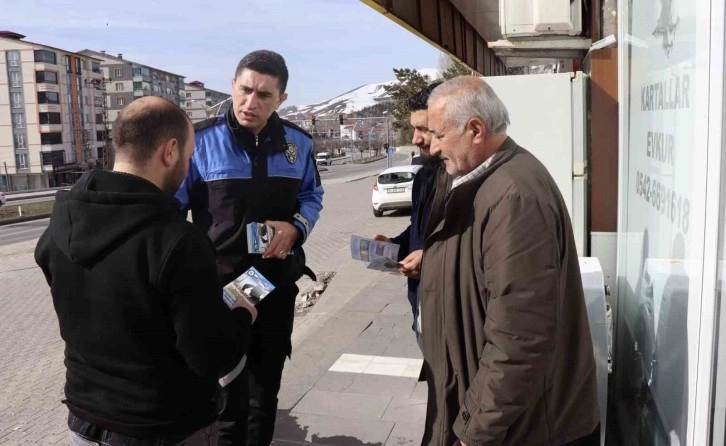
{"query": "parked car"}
(3, 199)
(392, 189)
(323, 158)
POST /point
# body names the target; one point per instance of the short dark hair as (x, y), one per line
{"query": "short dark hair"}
(265, 62)
(419, 101)
(141, 127)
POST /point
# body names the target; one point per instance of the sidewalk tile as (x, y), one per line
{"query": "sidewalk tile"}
(343, 405)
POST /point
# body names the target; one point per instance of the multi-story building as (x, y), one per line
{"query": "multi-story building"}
(128, 80)
(201, 102)
(51, 118)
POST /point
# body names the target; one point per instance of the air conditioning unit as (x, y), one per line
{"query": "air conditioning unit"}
(528, 18)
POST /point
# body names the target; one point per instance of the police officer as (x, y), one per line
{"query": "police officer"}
(252, 166)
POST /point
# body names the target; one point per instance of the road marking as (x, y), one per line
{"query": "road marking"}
(22, 231)
(378, 365)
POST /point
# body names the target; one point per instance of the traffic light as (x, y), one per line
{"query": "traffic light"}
(340, 119)
(313, 119)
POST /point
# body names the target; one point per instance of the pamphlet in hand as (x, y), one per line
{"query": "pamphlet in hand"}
(381, 256)
(250, 285)
(259, 237)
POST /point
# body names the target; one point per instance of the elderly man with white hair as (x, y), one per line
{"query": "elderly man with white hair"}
(506, 340)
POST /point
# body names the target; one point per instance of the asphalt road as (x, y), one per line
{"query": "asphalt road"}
(21, 232)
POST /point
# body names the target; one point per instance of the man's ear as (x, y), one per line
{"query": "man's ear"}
(170, 152)
(477, 129)
(283, 98)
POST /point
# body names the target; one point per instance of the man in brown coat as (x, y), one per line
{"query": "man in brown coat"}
(506, 340)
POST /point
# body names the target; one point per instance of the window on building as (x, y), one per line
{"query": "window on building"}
(119, 72)
(21, 160)
(18, 120)
(100, 135)
(67, 63)
(48, 97)
(79, 83)
(85, 118)
(46, 77)
(54, 158)
(78, 66)
(189, 104)
(85, 100)
(16, 99)
(119, 86)
(13, 58)
(99, 118)
(188, 95)
(45, 56)
(49, 118)
(95, 67)
(120, 101)
(51, 138)
(15, 81)
(19, 139)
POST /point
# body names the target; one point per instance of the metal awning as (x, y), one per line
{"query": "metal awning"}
(457, 27)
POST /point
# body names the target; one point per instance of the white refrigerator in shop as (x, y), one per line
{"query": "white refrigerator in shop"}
(548, 114)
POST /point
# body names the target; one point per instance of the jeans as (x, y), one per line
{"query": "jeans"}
(83, 433)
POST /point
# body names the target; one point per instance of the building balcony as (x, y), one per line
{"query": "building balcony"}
(48, 87)
(46, 128)
(139, 93)
(49, 108)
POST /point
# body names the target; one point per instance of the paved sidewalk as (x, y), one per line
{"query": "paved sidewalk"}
(372, 396)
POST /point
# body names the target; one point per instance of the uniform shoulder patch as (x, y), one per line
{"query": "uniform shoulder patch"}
(209, 122)
(287, 123)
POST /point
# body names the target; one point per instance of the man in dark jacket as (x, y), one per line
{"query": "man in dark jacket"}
(429, 190)
(134, 285)
(507, 347)
(252, 166)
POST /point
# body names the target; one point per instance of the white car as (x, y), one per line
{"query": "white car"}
(392, 189)
(323, 158)
(3, 199)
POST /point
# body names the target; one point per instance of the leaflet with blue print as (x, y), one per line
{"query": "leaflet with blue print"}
(250, 285)
(381, 256)
(259, 237)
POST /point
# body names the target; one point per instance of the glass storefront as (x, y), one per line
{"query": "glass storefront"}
(665, 289)
(668, 355)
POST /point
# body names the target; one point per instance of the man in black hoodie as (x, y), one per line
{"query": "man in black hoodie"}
(135, 287)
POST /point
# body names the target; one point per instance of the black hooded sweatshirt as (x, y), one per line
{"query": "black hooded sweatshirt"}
(140, 308)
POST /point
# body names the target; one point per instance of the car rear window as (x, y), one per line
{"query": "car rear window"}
(395, 177)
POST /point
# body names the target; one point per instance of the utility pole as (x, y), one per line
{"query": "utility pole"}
(7, 177)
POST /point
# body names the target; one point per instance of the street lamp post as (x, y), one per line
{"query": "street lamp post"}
(388, 139)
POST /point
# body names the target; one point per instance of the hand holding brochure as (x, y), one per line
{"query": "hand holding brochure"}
(382, 256)
(259, 237)
(250, 285)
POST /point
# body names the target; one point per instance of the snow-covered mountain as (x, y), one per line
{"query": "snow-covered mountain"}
(350, 101)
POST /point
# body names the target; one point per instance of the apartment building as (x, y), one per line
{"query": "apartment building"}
(51, 115)
(201, 102)
(128, 80)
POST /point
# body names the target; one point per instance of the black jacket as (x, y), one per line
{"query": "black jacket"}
(427, 197)
(140, 308)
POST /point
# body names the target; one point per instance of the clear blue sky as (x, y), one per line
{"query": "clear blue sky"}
(331, 46)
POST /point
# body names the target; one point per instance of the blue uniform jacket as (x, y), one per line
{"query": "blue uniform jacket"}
(236, 177)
